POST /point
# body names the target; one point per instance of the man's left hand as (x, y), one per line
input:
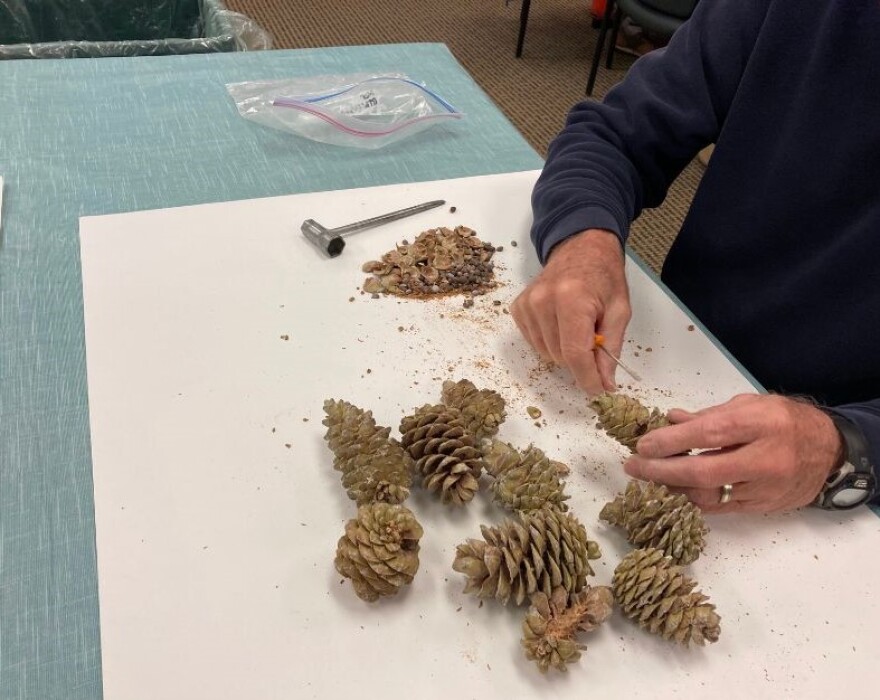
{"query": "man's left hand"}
(775, 452)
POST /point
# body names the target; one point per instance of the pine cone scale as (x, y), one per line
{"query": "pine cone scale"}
(531, 555)
(653, 517)
(444, 452)
(482, 410)
(653, 591)
(379, 550)
(374, 467)
(625, 419)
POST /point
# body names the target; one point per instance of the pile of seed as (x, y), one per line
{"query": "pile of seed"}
(439, 261)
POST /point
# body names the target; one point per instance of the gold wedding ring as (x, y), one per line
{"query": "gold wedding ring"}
(726, 493)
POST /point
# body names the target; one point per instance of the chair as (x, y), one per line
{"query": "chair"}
(523, 23)
(659, 17)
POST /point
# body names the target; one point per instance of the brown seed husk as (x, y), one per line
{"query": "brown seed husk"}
(654, 592)
(374, 467)
(439, 261)
(653, 517)
(537, 552)
(550, 627)
(625, 418)
(482, 410)
(380, 550)
(444, 452)
(523, 480)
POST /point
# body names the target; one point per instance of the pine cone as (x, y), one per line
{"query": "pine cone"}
(545, 549)
(551, 625)
(625, 419)
(654, 592)
(374, 467)
(444, 452)
(653, 517)
(482, 410)
(523, 481)
(380, 550)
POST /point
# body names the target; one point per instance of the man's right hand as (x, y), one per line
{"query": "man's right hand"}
(580, 292)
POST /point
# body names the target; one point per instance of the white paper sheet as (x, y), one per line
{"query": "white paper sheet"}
(214, 333)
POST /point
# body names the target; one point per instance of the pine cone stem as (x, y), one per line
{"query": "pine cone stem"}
(552, 623)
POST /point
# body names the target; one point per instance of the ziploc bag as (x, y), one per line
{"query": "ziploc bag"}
(361, 111)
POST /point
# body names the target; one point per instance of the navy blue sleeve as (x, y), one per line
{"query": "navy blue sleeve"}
(614, 158)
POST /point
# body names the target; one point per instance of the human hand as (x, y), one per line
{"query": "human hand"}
(580, 292)
(775, 451)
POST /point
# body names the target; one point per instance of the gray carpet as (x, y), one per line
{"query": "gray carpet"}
(535, 91)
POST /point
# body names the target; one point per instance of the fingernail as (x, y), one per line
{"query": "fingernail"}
(630, 467)
(645, 446)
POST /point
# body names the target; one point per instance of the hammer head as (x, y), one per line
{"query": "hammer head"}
(328, 242)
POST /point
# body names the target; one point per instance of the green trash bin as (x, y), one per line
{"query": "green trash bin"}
(96, 28)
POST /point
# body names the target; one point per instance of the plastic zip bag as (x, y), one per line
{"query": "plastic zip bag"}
(361, 111)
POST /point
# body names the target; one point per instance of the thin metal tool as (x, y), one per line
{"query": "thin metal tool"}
(329, 240)
(599, 344)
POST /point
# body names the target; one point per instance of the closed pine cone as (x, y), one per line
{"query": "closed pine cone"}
(653, 591)
(374, 467)
(482, 410)
(523, 480)
(552, 623)
(380, 550)
(444, 451)
(544, 549)
(653, 517)
(625, 419)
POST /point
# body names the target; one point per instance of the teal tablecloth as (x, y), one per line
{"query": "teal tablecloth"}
(82, 137)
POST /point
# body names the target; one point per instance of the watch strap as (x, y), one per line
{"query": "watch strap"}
(856, 460)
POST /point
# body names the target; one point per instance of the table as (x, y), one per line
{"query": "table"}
(84, 137)
(217, 511)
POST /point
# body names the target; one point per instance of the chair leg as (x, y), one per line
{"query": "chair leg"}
(600, 43)
(618, 17)
(523, 23)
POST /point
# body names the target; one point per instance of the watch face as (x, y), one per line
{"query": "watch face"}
(848, 497)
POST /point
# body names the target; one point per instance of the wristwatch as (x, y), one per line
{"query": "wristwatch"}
(854, 482)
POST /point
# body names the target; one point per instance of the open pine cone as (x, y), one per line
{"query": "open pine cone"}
(523, 480)
(380, 550)
(625, 419)
(444, 451)
(653, 592)
(374, 467)
(545, 549)
(552, 623)
(653, 517)
(482, 410)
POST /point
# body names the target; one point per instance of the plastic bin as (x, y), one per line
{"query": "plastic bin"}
(96, 28)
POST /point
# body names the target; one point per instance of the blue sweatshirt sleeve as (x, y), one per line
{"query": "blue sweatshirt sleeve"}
(614, 158)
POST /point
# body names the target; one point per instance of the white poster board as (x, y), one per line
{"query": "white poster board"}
(214, 333)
